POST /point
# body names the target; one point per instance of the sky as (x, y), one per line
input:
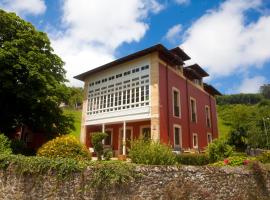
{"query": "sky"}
(230, 39)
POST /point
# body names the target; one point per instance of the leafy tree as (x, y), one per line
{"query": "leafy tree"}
(249, 99)
(76, 97)
(32, 79)
(265, 90)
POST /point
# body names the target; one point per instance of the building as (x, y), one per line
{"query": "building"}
(149, 94)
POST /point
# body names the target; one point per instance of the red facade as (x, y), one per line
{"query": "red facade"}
(190, 124)
(168, 80)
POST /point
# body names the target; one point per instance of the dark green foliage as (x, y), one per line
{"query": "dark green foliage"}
(20, 147)
(193, 159)
(264, 157)
(218, 150)
(97, 143)
(32, 79)
(238, 138)
(108, 154)
(5, 145)
(151, 153)
(249, 99)
(265, 90)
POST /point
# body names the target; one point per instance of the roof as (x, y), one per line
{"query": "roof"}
(191, 74)
(211, 90)
(197, 68)
(179, 52)
(164, 53)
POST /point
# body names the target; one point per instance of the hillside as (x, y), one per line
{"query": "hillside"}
(77, 116)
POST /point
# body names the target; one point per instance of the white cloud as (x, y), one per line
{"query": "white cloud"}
(24, 7)
(182, 2)
(94, 29)
(223, 42)
(173, 33)
(251, 85)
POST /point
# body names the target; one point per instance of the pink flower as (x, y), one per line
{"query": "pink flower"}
(226, 161)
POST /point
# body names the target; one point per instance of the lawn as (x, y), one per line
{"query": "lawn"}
(77, 117)
(223, 129)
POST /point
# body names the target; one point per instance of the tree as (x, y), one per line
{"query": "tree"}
(76, 97)
(32, 79)
(265, 90)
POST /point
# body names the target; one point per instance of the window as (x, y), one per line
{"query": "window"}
(145, 67)
(193, 110)
(146, 132)
(177, 136)
(176, 103)
(209, 138)
(208, 118)
(108, 139)
(195, 141)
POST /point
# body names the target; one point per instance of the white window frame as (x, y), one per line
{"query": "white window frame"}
(195, 107)
(211, 136)
(174, 89)
(180, 135)
(109, 129)
(197, 142)
(141, 130)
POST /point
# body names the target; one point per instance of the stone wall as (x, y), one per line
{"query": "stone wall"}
(207, 183)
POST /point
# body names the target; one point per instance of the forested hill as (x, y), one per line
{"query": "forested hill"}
(244, 119)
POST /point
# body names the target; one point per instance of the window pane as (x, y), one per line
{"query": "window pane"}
(176, 136)
(108, 139)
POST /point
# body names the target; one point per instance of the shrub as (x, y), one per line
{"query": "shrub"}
(151, 153)
(18, 146)
(264, 157)
(193, 159)
(219, 149)
(235, 161)
(64, 147)
(111, 173)
(97, 143)
(108, 154)
(5, 145)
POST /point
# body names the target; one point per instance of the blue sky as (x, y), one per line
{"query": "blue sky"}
(230, 39)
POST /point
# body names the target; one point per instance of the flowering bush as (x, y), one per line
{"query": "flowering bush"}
(235, 161)
(64, 147)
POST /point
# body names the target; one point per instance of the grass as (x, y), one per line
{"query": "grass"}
(223, 129)
(77, 117)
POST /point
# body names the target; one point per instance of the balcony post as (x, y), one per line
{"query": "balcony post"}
(124, 138)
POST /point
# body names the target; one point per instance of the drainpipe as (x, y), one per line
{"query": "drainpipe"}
(188, 112)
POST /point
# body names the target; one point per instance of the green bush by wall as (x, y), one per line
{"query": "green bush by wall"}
(151, 153)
